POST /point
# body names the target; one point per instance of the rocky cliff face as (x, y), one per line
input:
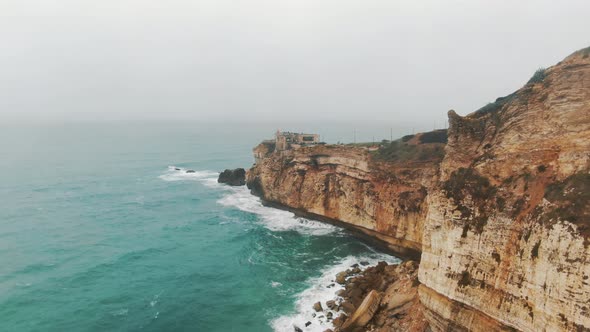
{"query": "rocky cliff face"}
(345, 184)
(502, 222)
(507, 227)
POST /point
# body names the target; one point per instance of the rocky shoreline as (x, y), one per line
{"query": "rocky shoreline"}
(373, 298)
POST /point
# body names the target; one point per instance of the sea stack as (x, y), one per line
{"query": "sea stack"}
(233, 177)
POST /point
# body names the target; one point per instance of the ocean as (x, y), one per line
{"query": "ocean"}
(100, 232)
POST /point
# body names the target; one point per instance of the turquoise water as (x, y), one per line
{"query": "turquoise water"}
(98, 233)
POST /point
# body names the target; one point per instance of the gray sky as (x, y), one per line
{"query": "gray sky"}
(358, 61)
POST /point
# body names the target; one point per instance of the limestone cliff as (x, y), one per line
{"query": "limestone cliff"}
(502, 222)
(381, 198)
(506, 232)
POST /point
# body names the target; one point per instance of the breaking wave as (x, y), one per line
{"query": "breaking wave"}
(322, 289)
(174, 173)
(274, 219)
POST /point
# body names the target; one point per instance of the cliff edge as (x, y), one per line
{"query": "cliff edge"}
(500, 219)
(381, 195)
(508, 224)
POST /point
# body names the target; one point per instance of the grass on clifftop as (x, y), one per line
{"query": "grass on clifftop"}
(414, 148)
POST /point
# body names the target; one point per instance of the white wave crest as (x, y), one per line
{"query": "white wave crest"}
(273, 219)
(318, 291)
(208, 178)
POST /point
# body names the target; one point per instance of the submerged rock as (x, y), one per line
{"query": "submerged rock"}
(233, 177)
(190, 171)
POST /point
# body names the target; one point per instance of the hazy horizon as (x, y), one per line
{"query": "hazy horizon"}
(274, 62)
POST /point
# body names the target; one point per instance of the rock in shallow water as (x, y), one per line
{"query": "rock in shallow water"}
(317, 307)
(233, 177)
(331, 304)
(341, 277)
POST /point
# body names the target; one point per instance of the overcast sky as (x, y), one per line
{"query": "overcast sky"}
(274, 60)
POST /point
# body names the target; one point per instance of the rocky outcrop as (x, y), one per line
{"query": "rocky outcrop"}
(506, 234)
(233, 177)
(502, 222)
(382, 198)
(383, 298)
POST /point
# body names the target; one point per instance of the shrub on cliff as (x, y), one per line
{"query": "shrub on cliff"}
(538, 76)
(495, 106)
(399, 151)
(436, 136)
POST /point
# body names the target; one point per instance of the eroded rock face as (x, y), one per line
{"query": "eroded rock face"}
(503, 223)
(507, 226)
(385, 200)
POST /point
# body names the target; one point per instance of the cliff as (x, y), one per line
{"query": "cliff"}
(507, 228)
(372, 194)
(501, 220)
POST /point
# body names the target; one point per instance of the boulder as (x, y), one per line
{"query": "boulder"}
(307, 324)
(317, 307)
(339, 320)
(190, 171)
(341, 277)
(347, 307)
(365, 311)
(364, 263)
(233, 177)
(331, 304)
(297, 329)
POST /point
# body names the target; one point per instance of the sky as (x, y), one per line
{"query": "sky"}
(340, 61)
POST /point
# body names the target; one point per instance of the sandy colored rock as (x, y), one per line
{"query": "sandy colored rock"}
(506, 234)
(501, 224)
(317, 307)
(385, 200)
(364, 313)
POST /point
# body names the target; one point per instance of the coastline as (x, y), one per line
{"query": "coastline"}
(403, 249)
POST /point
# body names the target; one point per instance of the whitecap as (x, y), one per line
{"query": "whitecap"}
(318, 290)
(275, 284)
(273, 219)
(173, 173)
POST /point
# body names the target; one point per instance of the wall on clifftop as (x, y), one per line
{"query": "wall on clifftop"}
(508, 224)
(385, 200)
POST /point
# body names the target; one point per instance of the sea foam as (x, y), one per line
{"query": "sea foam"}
(318, 291)
(273, 219)
(208, 178)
